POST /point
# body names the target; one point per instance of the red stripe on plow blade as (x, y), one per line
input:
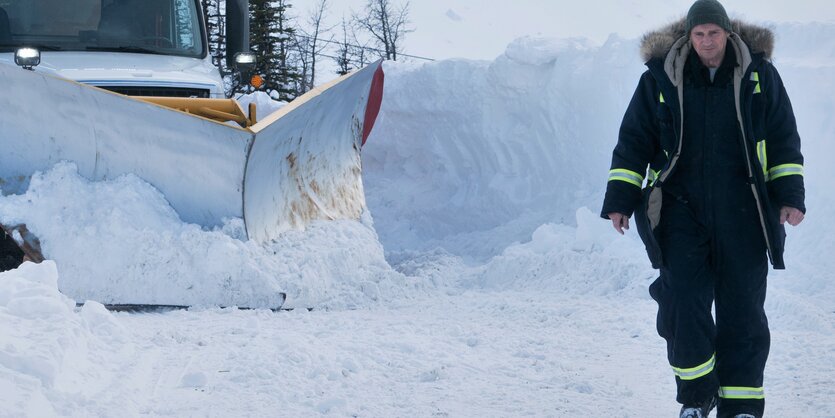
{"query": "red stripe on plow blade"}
(375, 101)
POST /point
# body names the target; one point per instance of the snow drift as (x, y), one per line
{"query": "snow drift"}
(472, 156)
(119, 241)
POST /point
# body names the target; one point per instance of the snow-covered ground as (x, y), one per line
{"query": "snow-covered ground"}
(480, 283)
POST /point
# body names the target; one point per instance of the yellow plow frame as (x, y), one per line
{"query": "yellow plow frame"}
(220, 110)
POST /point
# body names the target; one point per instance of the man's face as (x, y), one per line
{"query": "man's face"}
(709, 40)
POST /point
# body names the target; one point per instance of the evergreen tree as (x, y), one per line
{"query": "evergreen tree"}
(271, 37)
(214, 29)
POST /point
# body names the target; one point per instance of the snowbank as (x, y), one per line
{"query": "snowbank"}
(119, 241)
(51, 356)
(473, 156)
(264, 104)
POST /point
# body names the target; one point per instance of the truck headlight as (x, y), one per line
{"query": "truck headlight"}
(245, 60)
(27, 57)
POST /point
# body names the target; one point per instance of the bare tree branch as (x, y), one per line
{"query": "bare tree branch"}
(387, 25)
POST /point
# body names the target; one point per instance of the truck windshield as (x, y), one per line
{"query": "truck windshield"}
(168, 27)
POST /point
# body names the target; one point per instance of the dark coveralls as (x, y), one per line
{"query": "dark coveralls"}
(713, 247)
(710, 240)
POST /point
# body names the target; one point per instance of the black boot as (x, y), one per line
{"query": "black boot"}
(698, 411)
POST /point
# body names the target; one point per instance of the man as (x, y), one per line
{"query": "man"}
(712, 121)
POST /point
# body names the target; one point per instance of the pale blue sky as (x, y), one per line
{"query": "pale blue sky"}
(477, 29)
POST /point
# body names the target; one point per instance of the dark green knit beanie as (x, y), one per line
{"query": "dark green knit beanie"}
(707, 11)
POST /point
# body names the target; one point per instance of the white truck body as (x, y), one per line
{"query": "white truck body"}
(146, 72)
(135, 47)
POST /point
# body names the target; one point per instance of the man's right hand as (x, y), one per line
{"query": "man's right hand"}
(619, 221)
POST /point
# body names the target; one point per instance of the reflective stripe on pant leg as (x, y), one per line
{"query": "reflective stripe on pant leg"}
(693, 373)
(741, 392)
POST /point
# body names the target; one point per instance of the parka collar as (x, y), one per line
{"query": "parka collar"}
(675, 58)
(658, 43)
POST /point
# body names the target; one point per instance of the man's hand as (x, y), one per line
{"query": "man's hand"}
(793, 215)
(621, 221)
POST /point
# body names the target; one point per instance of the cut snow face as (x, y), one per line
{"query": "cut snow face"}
(473, 156)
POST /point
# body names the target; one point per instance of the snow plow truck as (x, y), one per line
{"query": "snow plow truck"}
(128, 86)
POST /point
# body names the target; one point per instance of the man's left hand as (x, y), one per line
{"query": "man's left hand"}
(793, 215)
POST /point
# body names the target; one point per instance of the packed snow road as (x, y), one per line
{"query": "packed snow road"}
(455, 352)
(474, 354)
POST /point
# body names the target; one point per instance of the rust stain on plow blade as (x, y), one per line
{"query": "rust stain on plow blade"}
(304, 164)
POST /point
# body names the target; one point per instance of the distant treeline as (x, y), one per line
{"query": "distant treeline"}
(290, 47)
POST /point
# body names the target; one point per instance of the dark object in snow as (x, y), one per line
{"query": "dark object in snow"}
(151, 308)
(14, 253)
(11, 256)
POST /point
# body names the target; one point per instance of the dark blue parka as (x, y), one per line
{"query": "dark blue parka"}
(651, 135)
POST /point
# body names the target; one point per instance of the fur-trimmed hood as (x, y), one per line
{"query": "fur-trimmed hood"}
(657, 44)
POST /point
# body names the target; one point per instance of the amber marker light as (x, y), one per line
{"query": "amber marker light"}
(256, 81)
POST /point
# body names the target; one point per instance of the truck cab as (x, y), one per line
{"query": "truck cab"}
(133, 47)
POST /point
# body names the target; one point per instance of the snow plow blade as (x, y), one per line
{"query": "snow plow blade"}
(298, 165)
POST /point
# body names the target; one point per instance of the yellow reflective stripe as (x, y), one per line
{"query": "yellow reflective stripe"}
(741, 392)
(652, 175)
(755, 76)
(785, 170)
(696, 372)
(661, 97)
(628, 176)
(763, 157)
